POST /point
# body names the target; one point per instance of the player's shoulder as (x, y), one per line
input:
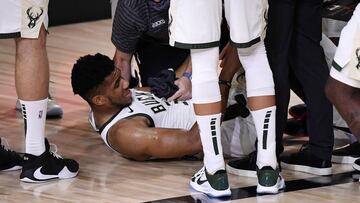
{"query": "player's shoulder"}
(129, 124)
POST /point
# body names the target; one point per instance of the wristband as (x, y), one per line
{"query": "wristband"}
(187, 75)
(225, 82)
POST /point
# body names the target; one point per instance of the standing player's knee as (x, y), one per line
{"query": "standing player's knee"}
(205, 88)
(259, 77)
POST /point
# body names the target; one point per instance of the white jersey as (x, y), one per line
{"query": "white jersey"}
(161, 114)
(238, 135)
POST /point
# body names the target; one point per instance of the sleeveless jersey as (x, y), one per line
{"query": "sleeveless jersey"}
(161, 114)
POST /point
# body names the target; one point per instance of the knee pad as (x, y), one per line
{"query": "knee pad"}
(205, 87)
(259, 78)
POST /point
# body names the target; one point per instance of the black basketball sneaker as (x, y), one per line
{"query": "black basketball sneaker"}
(9, 160)
(356, 165)
(306, 161)
(298, 111)
(47, 166)
(346, 154)
(243, 166)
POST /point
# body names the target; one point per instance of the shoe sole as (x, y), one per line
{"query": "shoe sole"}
(343, 159)
(307, 169)
(279, 186)
(63, 174)
(210, 191)
(240, 172)
(14, 168)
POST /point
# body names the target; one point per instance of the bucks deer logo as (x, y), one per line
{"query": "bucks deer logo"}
(33, 16)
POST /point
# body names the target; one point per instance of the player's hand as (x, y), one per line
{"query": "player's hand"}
(184, 92)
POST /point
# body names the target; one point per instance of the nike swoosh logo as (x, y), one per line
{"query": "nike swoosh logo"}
(40, 176)
(130, 109)
(200, 182)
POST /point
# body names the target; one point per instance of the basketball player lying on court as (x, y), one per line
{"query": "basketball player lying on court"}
(136, 124)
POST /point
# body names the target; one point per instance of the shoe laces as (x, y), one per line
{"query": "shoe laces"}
(54, 150)
(6, 147)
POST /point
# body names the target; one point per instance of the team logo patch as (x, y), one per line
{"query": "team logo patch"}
(358, 57)
(158, 23)
(33, 16)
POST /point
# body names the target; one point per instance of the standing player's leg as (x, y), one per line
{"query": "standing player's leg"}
(32, 82)
(247, 25)
(195, 25)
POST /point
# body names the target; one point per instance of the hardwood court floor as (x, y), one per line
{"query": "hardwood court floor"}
(105, 176)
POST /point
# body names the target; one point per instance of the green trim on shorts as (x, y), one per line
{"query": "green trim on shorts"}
(197, 46)
(10, 35)
(336, 66)
(245, 45)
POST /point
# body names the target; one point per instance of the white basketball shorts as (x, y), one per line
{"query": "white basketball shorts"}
(195, 24)
(22, 18)
(346, 64)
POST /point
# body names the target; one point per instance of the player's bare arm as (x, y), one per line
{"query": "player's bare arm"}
(123, 62)
(134, 138)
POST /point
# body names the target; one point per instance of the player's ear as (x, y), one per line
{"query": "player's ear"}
(99, 100)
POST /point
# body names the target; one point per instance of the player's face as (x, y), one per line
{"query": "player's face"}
(118, 89)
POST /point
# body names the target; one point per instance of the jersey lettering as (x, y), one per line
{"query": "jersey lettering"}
(158, 109)
(148, 100)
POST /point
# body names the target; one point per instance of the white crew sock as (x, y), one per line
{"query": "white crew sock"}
(264, 120)
(209, 126)
(34, 114)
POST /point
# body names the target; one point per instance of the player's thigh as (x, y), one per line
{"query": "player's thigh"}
(195, 24)
(246, 19)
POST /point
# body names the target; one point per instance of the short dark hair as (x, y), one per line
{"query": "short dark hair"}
(88, 73)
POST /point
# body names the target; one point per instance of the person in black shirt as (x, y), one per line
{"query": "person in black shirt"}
(140, 29)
